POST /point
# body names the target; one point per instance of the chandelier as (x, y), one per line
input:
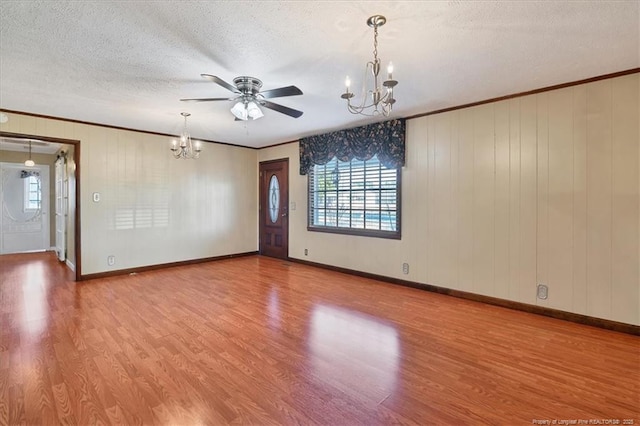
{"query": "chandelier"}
(379, 99)
(185, 148)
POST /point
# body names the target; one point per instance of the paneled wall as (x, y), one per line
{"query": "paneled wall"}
(153, 209)
(498, 198)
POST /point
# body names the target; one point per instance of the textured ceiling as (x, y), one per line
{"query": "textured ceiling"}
(127, 63)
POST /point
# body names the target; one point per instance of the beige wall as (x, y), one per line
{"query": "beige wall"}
(40, 159)
(154, 209)
(500, 197)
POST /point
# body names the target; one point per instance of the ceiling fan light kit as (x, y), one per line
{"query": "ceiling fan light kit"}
(239, 110)
(381, 97)
(248, 98)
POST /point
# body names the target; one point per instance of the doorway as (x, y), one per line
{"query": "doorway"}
(273, 210)
(24, 199)
(11, 144)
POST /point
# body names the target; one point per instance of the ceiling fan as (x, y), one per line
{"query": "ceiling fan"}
(248, 97)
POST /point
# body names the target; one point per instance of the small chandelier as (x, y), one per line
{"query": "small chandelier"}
(185, 148)
(381, 96)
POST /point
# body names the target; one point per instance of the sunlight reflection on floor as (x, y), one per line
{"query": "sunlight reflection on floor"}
(34, 293)
(341, 338)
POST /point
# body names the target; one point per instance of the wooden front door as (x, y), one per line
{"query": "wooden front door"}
(274, 212)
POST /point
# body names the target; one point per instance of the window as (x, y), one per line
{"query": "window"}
(355, 197)
(32, 193)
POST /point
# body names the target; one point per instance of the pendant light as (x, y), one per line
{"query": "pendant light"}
(29, 162)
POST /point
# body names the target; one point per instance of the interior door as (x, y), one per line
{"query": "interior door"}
(61, 209)
(274, 213)
(24, 199)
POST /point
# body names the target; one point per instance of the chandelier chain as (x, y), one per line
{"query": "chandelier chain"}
(375, 43)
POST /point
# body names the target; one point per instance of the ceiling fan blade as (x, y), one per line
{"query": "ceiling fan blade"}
(205, 99)
(281, 91)
(281, 108)
(221, 82)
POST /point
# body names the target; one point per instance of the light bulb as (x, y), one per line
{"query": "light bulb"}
(253, 111)
(390, 71)
(239, 110)
(347, 82)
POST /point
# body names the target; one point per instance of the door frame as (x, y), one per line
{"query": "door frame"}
(262, 203)
(60, 208)
(76, 160)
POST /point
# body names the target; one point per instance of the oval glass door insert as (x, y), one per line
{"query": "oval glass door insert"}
(274, 198)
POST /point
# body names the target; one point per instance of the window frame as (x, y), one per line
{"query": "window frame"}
(27, 194)
(395, 235)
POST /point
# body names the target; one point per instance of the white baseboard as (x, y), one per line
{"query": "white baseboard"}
(70, 265)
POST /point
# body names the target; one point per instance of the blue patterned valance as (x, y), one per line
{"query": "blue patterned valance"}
(386, 140)
(28, 173)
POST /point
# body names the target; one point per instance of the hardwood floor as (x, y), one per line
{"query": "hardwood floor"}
(256, 340)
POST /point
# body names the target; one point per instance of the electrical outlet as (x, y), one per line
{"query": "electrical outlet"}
(306, 252)
(405, 268)
(542, 291)
(111, 260)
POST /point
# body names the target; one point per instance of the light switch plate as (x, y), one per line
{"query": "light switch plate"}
(96, 197)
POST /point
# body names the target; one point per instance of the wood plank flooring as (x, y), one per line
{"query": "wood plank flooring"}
(256, 340)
